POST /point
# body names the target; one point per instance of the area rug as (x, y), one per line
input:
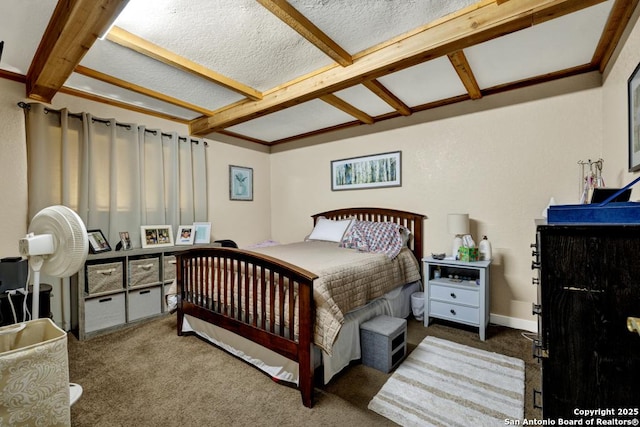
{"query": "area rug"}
(442, 383)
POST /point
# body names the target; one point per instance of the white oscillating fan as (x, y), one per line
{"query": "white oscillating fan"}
(56, 245)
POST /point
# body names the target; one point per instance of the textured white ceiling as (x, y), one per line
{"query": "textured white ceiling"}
(237, 38)
(244, 41)
(22, 23)
(357, 25)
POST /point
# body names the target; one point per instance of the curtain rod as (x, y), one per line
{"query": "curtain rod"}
(26, 106)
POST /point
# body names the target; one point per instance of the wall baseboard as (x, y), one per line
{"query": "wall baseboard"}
(514, 322)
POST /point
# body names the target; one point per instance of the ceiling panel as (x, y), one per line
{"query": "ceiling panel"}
(303, 118)
(144, 71)
(92, 86)
(237, 38)
(365, 100)
(22, 40)
(555, 45)
(427, 82)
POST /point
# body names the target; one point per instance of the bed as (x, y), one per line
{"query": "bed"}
(282, 310)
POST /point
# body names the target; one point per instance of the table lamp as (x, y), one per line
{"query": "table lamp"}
(458, 225)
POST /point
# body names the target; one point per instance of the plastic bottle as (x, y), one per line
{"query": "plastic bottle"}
(485, 249)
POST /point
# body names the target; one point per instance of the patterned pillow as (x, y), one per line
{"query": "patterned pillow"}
(378, 237)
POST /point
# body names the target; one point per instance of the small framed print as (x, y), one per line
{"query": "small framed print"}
(633, 88)
(240, 183)
(97, 242)
(185, 235)
(202, 232)
(125, 240)
(156, 236)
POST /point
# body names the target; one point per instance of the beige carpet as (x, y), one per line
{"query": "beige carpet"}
(442, 383)
(148, 376)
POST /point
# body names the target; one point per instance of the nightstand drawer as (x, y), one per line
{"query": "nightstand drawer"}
(454, 312)
(455, 295)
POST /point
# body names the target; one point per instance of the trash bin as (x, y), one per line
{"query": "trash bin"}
(34, 374)
(417, 305)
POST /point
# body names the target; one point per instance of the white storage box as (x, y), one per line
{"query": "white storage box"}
(383, 342)
(104, 312)
(34, 375)
(145, 302)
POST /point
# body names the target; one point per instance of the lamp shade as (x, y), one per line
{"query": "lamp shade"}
(458, 224)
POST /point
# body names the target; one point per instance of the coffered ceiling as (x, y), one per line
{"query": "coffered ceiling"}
(272, 71)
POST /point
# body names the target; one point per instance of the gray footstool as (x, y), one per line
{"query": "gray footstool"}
(383, 341)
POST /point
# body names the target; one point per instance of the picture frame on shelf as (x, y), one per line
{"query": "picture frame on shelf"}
(97, 242)
(202, 232)
(125, 241)
(372, 171)
(185, 235)
(156, 236)
(240, 183)
(633, 87)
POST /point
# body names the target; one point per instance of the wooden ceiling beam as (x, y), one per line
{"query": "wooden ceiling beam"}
(74, 27)
(462, 30)
(333, 100)
(387, 96)
(462, 67)
(290, 16)
(618, 18)
(94, 74)
(144, 47)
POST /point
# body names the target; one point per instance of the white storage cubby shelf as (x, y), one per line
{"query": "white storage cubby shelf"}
(116, 289)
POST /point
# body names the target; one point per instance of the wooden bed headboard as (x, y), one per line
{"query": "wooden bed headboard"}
(412, 221)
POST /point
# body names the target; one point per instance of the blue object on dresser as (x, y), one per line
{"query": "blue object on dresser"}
(600, 213)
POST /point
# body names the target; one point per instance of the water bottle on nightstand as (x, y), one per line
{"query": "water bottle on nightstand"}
(484, 248)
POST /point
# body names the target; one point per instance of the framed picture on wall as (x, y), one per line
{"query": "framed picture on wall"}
(156, 236)
(240, 183)
(374, 171)
(634, 119)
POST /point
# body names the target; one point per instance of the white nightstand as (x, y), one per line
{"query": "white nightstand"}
(460, 294)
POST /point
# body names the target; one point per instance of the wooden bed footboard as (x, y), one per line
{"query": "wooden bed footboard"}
(265, 300)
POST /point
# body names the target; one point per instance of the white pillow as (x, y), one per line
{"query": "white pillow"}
(329, 230)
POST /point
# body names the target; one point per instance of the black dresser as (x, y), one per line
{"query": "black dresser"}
(6, 315)
(588, 281)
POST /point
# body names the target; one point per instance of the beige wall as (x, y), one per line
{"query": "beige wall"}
(501, 164)
(13, 171)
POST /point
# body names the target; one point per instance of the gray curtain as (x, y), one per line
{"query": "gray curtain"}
(117, 176)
